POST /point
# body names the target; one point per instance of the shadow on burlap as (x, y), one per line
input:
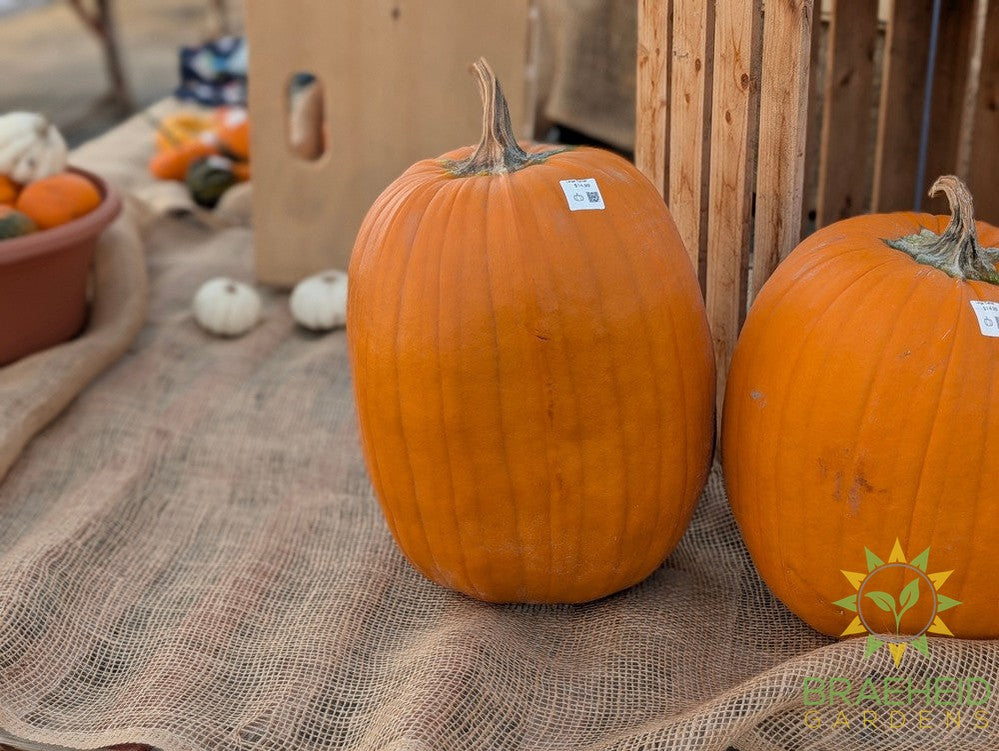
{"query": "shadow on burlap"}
(191, 558)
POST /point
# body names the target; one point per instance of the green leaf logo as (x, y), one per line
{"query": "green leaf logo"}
(908, 597)
(883, 600)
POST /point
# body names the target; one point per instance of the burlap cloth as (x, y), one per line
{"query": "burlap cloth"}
(191, 558)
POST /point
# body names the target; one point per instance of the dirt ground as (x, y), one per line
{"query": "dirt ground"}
(54, 65)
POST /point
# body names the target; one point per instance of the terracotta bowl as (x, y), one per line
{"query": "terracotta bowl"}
(43, 279)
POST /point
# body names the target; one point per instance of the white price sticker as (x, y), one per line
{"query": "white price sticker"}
(988, 316)
(582, 194)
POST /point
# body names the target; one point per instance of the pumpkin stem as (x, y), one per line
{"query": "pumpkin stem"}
(956, 250)
(498, 151)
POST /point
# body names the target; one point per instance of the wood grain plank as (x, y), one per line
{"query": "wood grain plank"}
(969, 104)
(844, 182)
(735, 82)
(787, 33)
(530, 127)
(896, 149)
(985, 142)
(688, 136)
(364, 54)
(817, 55)
(953, 51)
(652, 89)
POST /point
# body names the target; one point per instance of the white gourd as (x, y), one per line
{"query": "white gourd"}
(31, 148)
(320, 302)
(225, 307)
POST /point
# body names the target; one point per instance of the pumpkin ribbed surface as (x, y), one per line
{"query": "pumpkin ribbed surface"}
(863, 406)
(534, 385)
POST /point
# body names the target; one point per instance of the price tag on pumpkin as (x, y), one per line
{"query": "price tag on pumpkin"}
(988, 316)
(582, 194)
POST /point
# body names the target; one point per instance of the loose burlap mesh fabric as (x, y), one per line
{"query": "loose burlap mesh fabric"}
(191, 558)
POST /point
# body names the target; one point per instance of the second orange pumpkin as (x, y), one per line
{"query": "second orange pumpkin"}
(862, 407)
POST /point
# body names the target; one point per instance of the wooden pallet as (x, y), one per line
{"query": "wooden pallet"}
(751, 148)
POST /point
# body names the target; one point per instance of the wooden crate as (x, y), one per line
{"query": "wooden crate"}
(396, 83)
(760, 126)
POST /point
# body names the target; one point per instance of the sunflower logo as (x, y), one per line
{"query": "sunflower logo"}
(897, 603)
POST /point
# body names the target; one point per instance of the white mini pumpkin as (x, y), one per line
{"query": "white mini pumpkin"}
(31, 148)
(319, 302)
(226, 307)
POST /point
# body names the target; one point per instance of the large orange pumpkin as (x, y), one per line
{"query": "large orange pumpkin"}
(862, 407)
(534, 384)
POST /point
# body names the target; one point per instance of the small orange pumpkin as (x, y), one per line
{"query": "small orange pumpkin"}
(862, 406)
(58, 199)
(173, 164)
(8, 191)
(534, 384)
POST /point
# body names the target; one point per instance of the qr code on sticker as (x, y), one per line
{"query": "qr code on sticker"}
(582, 195)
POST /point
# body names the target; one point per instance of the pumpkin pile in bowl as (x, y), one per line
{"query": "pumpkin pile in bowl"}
(37, 192)
(51, 216)
(209, 151)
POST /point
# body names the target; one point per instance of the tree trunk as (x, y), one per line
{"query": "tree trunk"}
(101, 22)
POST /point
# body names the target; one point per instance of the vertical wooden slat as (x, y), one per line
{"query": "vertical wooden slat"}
(729, 192)
(956, 26)
(532, 73)
(966, 131)
(689, 76)
(787, 30)
(844, 183)
(810, 191)
(652, 84)
(985, 151)
(899, 113)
